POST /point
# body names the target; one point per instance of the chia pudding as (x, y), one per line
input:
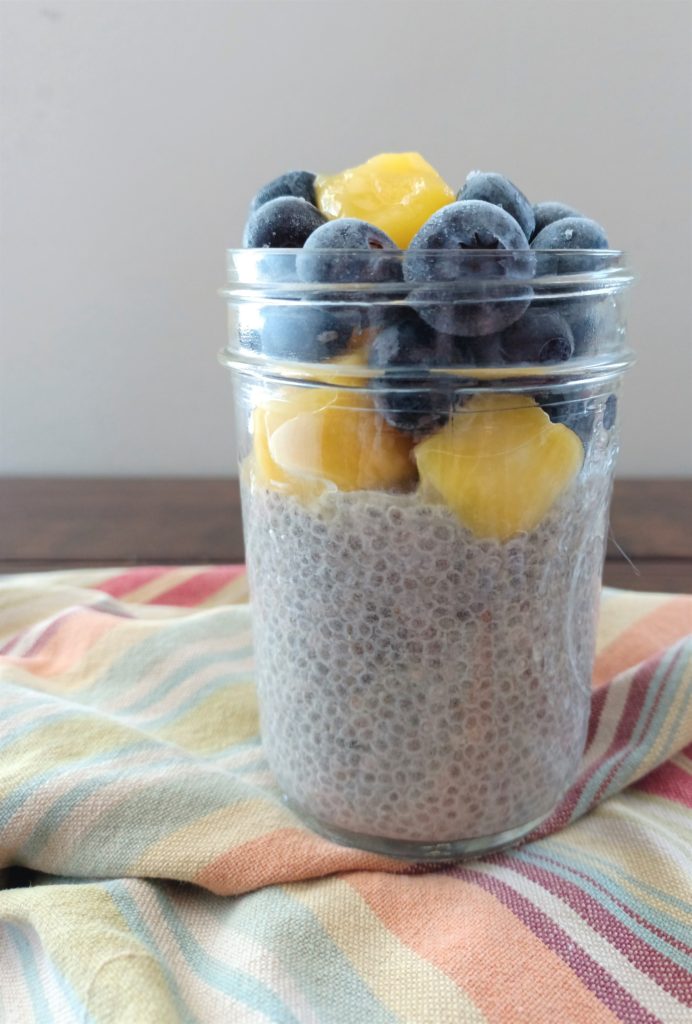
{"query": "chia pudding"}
(426, 380)
(417, 683)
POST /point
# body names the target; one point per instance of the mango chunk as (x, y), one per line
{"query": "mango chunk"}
(261, 468)
(357, 356)
(396, 192)
(499, 464)
(322, 437)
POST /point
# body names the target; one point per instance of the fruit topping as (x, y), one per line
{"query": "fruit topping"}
(459, 231)
(300, 184)
(546, 213)
(397, 192)
(323, 258)
(407, 395)
(459, 283)
(357, 356)
(576, 413)
(568, 233)
(262, 468)
(500, 191)
(306, 332)
(499, 464)
(283, 223)
(249, 334)
(610, 412)
(539, 336)
(316, 437)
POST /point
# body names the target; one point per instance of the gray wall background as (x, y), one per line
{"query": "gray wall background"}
(134, 134)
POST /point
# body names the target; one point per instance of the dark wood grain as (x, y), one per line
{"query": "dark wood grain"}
(652, 518)
(66, 523)
(660, 575)
(112, 521)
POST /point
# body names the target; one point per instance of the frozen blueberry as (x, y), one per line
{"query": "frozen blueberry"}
(323, 258)
(610, 411)
(412, 343)
(482, 352)
(300, 184)
(594, 324)
(585, 331)
(332, 254)
(250, 337)
(283, 223)
(308, 333)
(470, 225)
(593, 318)
(407, 395)
(537, 337)
(500, 191)
(481, 251)
(568, 233)
(546, 213)
(576, 413)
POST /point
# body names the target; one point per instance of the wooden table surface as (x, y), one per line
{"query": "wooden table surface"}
(52, 523)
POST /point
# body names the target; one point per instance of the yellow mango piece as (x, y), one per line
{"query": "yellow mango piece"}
(499, 464)
(396, 192)
(357, 357)
(261, 467)
(346, 443)
(317, 437)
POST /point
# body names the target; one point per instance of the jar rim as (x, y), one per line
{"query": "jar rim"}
(275, 269)
(267, 278)
(560, 377)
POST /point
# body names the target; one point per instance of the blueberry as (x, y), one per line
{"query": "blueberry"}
(324, 259)
(569, 233)
(546, 213)
(482, 352)
(594, 323)
(498, 190)
(577, 414)
(537, 337)
(300, 184)
(585, 330)
(482, 248)
(407, 395)
(610, 412)
(593, 317)
(250, 337)
(412, 344)
(379, 261)
(283, 223)
(469, 226)
(308, 333)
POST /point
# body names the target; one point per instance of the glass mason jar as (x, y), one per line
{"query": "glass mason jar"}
(426, 462)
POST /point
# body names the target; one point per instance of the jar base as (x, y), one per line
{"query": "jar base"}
(405, 849)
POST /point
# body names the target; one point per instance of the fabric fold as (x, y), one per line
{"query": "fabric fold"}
(135, 796)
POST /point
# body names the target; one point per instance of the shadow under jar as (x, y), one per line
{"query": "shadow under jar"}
(426, 466)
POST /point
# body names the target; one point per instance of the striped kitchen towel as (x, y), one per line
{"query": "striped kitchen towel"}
(150, 873)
